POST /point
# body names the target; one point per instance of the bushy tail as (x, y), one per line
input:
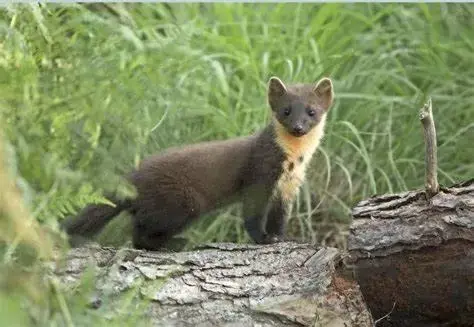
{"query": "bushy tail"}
(92, 219)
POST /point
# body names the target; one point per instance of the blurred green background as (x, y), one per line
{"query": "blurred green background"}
(86, 91)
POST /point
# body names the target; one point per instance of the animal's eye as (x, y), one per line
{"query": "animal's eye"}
(287, 111)
(311, 112)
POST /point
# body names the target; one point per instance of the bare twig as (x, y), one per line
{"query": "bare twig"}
(385, 316)
(431, 161)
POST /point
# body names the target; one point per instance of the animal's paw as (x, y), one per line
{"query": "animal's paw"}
(270, 239)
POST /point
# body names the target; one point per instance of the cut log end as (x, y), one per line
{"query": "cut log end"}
(418, 255)
(432, 286)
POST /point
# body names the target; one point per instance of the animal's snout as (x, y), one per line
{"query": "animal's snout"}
(298, 129)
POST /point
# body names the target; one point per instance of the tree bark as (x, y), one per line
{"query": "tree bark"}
(416, 255)
(409, 262)
(284, 284)
(410, 256)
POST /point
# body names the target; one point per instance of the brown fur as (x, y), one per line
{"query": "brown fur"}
(265, 170)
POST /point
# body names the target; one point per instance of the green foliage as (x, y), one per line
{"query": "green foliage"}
(86, 91)
(73, 306)
(82, 306)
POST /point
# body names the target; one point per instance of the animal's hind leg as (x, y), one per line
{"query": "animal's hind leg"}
(149, 241)
(151, 231)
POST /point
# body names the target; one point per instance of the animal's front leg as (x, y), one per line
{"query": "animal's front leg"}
(272, 229)
(254, 213)
(276, 220)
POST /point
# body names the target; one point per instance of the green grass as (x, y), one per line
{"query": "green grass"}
(87, 91)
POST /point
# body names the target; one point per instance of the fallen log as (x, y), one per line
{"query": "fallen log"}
(413, 253)
(416, 256)
(409, 262)
(284, 284)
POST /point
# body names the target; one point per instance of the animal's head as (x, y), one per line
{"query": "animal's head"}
(299, 108)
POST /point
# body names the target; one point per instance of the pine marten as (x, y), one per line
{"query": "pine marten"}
(263, 170)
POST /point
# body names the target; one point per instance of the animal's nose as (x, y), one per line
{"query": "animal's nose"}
(298, 128)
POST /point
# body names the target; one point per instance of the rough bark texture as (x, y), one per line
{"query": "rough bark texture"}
(413, 259)
(284, 284)
(417, 254)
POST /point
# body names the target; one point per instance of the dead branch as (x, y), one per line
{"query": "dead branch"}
(431, 160)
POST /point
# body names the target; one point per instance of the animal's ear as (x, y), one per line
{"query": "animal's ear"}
(325, 93)
(276, 89)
